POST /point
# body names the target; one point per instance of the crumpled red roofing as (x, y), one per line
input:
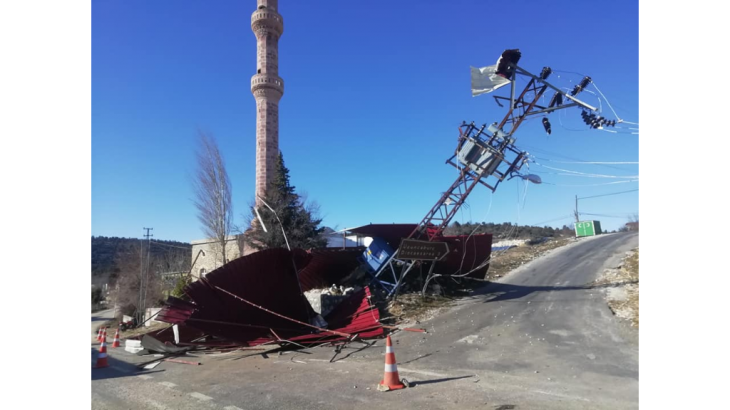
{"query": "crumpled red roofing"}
(267, 278)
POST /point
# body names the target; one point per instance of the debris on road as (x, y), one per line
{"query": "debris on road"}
(133, 346)
(259, 299)
(407, 329)
(152, 365)
(621, 286)
(151, 345)
(182, 361)
(299, 299)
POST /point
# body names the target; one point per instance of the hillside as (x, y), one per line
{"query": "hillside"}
(507, 229)
(104, 251)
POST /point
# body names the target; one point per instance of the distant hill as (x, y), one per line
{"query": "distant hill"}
(105, 249)
(509, 230)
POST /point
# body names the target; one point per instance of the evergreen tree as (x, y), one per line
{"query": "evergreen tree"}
(300, 221)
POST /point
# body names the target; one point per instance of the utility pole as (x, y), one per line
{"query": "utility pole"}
(597, 196)
(143, 275)
(140, 314)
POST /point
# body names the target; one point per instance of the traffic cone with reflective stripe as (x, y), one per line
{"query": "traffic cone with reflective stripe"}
(391, 380)
(98, 335)
(116, 339)
(101, 359)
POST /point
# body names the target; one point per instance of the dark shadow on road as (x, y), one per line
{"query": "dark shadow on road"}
(367, 345)
(98, 318)
(496, 292)
(116, 369)
(265, 353)
(446, 379)
(418, 358)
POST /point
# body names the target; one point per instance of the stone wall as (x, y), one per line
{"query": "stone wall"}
(209, 255)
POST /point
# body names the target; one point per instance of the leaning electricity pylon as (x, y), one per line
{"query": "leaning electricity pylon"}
(487, 155)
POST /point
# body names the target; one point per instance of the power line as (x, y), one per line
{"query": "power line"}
(616, 215)
(609, 216)
(551, 220)
(618, 132)
(613, 193)
(585, 185)
(570, 158)
(609, 104)
(569, 72)
(599, 91)
(560, 119)
(171, 246)
(585, 174)
(591, 162)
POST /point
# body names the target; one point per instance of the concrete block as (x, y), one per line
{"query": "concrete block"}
(323, 303)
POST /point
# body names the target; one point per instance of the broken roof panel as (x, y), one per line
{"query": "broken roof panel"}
(269, 304)
(357, 315)
(265, 278)
(328, 266)
(466, 253)
(186, 334)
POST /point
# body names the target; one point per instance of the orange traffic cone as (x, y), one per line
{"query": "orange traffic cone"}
(391, 380)
(101, 359)
(98, 335)
(116, 339)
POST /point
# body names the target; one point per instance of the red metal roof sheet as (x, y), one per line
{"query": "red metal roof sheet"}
(328, 266)
(267, 278)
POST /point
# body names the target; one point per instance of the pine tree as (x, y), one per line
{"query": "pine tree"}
(300, 223)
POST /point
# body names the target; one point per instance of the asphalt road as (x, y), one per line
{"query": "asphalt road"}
(98, 318)
(539, 338)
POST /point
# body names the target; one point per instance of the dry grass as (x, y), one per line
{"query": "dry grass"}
(504, 262)
(131, 333)
(631, 265)
(142, 330)
(622, 291)
(412, 307)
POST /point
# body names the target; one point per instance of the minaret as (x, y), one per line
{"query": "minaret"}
(267, 87)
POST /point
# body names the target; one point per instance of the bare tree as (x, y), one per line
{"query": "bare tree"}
(170, 264)
(633, 224)
(213, 193)
(130, 279)
(314, 210)
(170, 259)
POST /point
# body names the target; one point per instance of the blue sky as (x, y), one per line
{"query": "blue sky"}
(373, 99)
